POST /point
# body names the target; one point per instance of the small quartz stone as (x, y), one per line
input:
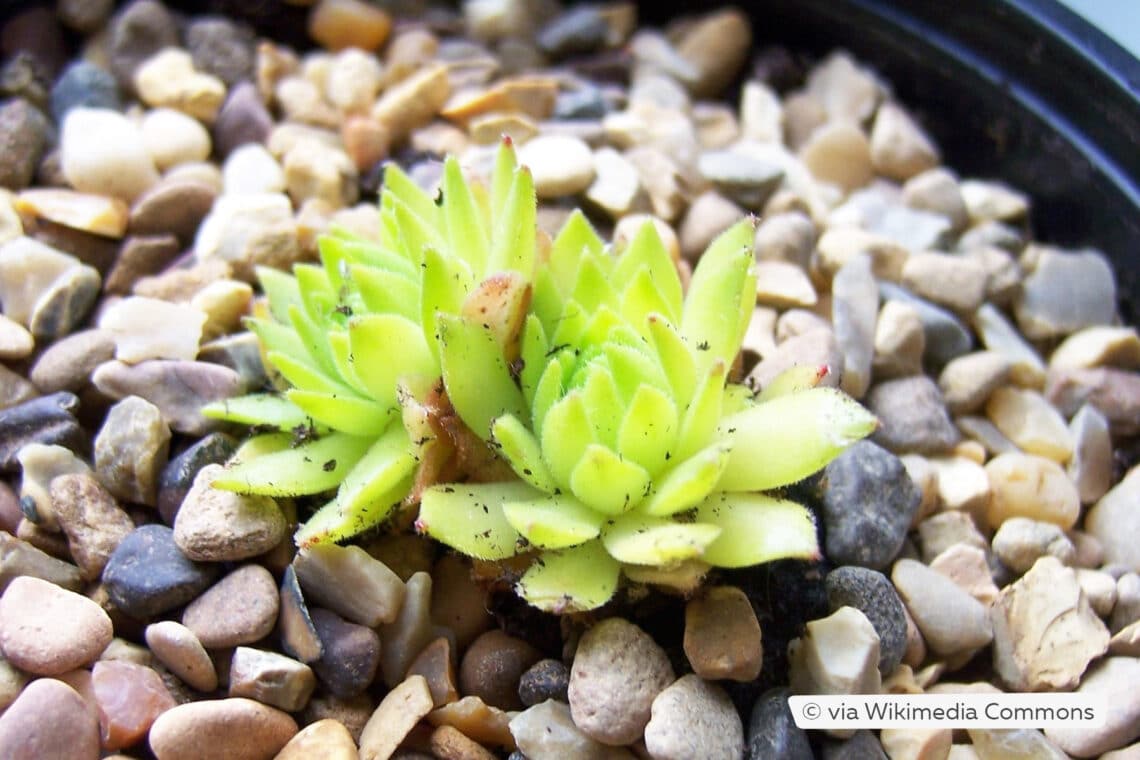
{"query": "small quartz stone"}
(221, 526)
(722, 635)
(251, 169)
(693, 718)
(745, 179)
(410, 632)
(351, 583)
(1065, 292)
(560, 165)
(899, 341)
(313, 170)
(710, 214)
(171, 137)
(899, 148)
(176, 647)
(97, 214)
(999, 335)
(475, 719)
(131, 449)
(350, 654)
(1026, 485)
(130, 698)
(1114, 520)
(854, 311)
(783, 285)
(967, 381)
(394, 718)
(249, 230)
(950, 619)
(492, 666)
(413, 102)
(1031, 422)
(838, 654)
(839, 153)
(915, 743)
(966, 565)
(616, 188)
(239, 609)
(92, 521)
(1099, 588)
(956, 282)
(47, 630)
(1099, 346)
(102, 152)
(271, 679)
(547, 730)
(1020, 542)
(168, 79)
(240, 728)
(616, 674)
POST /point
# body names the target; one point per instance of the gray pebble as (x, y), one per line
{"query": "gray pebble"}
(694, 718)
(139, 256)
(23, 134)
(950, 619)
(84, 84)
(351, 654)
(131, 449)
(863, 745)
(67, 364)
(222, 526)
(585, 102)
(546, 679)
(772, 732)
(581, 29)
(243, 119)
(946, 336)
(148, 575)
(64, 305)
(136, 33)
(1064, 293)
(871, 593)
(47, 419)
(1114, 392)
(351, 582)
(745, 179)
(84, 16)
(295, 627)
(178, 475)
(241, 352)
(177, 387)
(854, 312)
(239, 609)
(221, 47)
(173, 207)
(912, 416)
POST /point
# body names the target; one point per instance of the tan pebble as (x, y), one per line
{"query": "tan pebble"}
(616, 188)
(224, 302)
(1027, 419)
(394, 717)
(997, 334)
(1100, 346)
(900, 149)
(491, 668)
(97, 214)
(838, 654)
(47, 630)
(716, 46)
(844, 89)
(353, 713)
(838, 245)
(1090, 552)
(971, 450)
(839, 153)
(788, 236)
(987, 201)
(1030, 486)
(447, 743)
(340, 24)
(353, 80)
(913, 743)
(436, 664)
(313, 170)
(783, 285)
(560, 165)
(413, 102)
(15, 340)
(953, 281)
(49, 720)
(408, 51)
(530, 95)
(968, 380)
(803, 114)
(899, 341)
(1020, 542)
(488, 129)
(722, 635)
(234, 729)
(915, 652)
(324, 740)
(1099, 588)
(174, 138)
(716, 125)
(937, 190)
(457, 601)
(1126, 641)
(440, 137)
(925, 476)
(963, 484)
(660, 176)
(301, 102)
(169, 79)
(966, 566)
(475, 719)
(366, 141)
(182, 653)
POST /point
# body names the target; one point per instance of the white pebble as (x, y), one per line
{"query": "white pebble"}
(172, 138)
(102, 151)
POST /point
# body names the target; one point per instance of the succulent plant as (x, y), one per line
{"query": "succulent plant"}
(560, 400)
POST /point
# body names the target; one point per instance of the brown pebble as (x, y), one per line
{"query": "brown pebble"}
(475, 719)
(722, 635)
(239, 609)
(221, 729)
(91, 519)
(457, 601)
(449, 743)
(49, 721)
(435, 663)
(394, 717)
(47, 630)
(182, 653)
(491, 668)
(340, 24)
(130, 698)
(324, 740)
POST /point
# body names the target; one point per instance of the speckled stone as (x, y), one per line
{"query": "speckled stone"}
(871, 593)
(239, 609)
(694, 717)
(94, 524)
(213, 525)
(130, 450)
(772, 731)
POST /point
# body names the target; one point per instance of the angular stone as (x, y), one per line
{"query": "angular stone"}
(130, 698)
(956, 282)
(950, 619)
(413, 102)
(93, 523)
(249, 230)
(912, 416)
(410, 632)
(899, 147)
(838, 654)
(242, 119)
(871, 593)
(168, 79)
(148, 575)
(97, 214)
(435, 663)
(899, 341)
(722, 636)
(239, 609)
(19, 558)
(1098, 346)
(914, 743)
(997, 334)
(1114, 521)
(1112, 680)
(966, 565)
(295, 627)
(49, 720)
(326, 739)
(1099, 588)
(967, 381)
(1065, 292)
(178, 388)
(1025, 485)
(176, 647)
(247, 730)
(351, 583)
(547, 730)
(818, 348)
(693, 717)
(139, 256)
(394, 718)
(23, 134)
(716, 47)
(131, 449)
(616, 188)
(40, 464)
(783, 285)
(1020, 542)
(221, 526)
(316, 171)
(47, 630)
(1027, 419)
(1006, 744)
(271, 679)
(617, 672)
(449, 742)
(65, 304)
(1116, 393)
(350, 654)
(222, 48)
(745, 179)
(475, 719)
(946, 336)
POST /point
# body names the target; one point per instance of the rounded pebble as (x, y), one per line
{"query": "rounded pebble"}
(130, 698)
(561, 165)
(221, 729)
(47, 630)
(241, 608)
(872, 594)
(692, 718)
(49, 721)
(103, 152)
(147, 574)
(221, 526)
(182, 653)
(492, 666)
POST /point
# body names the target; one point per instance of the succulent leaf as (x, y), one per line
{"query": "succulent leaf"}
(688, 484)
(566, 434)
(470, 517)
(801, 377)
(648, 429)
(310, 468)
(606, 482)
(757, 528)
(571, 580)
(639, 539)
(716, 310)
(551, 521)
(646, 256)
(375, 341)
(261, 409)
(350, 414)
(462, 217)
(518, 445)
(479, 383)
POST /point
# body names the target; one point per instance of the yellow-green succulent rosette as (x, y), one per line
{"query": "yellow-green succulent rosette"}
(589, 371)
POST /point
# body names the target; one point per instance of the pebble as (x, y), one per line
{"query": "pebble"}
(243, 119)
(65, 304)
(270, 678)
(12, 682)
(222, 48)
(40, 465)
(1127, 608)
(147, 575)
(46, 420)
(19, 558)
(716, 47)
(745, 179)
(339, 24)
(102, 152)
(950, 280)
(1116, 393)
(299, 637)
(49, 721)
(854, 310)
(814, 348)
(1098, 346)
(1031, 422)
(84, 84)
(967, 566)
(1020, 542)
(239, 609)
(23, 137)
(413, 102)
(1099, 588)
(617, 672)
(1026, 485)
(326, 739)
(772, 731)
(222, 526)
(92, 521)
(178, 475)
(761, 113)
(350, 582)
(131, 449)
(130, 698)
(249, 230)
(168, 79)
(722, 635)
(250, 169)
(139, 256)
(900, 149)
(48, 630)
(936, 190)
(899, 341)
(172, 138)
(993, 201)
(224, 302)
(492, 666)
(783, 285)
(547, 730)
(1112, 680)
(139, 31)
(546, 679)
(871, 593)
(180, 651)
(436, 664)
(235, 729)
(1114, 521)
(354, 79)
(1065, 292)
(967, 381)
(616, 187)
(29, 272)
(867, 504)
(394, 718)
(840, 243)
(946, 336)
(916, 743)
(999, 335)
(838, 654)
(172, 207)
(458, 601)
(839, 153)
(862, 745)
(82, 212)
(708, 215)
(178, 388)
(410, 632)
(350, 656)
(316, 171)
(912, 416)
(561, 165)
(951, 621)
(692, 717)
(843, 88)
